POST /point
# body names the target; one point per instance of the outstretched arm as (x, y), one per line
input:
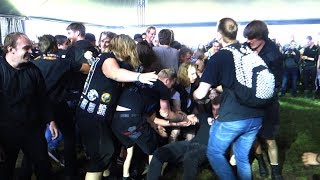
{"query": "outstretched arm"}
(112, 70)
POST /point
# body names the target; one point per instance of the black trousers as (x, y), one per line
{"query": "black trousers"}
(191, 154)
(33, 144)
(64, 119)
(97, 138)
(308, 78)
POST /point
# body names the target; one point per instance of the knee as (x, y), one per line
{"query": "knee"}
(159, 155)
(271, 144)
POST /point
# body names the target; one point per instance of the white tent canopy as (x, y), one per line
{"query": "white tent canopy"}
(132, 16)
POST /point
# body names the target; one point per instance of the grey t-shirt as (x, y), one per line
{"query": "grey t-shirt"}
(167, 56)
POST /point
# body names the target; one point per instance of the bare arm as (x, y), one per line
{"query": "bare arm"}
(166, 112)
(201, 91)
(85, 68)
(112, 70)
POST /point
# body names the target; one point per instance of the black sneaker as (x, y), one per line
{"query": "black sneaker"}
(54, 155)
(263, 171)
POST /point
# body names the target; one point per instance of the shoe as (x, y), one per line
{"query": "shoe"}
(276, 172)
(54, 155)
(263, 171)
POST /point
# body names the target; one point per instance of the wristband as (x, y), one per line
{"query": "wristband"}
(138, 77)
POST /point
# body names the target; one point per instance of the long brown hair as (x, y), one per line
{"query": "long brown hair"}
(124, 47)
(183, 78)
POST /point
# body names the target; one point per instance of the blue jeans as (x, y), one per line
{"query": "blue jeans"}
(241, 133)
(52, 143)
(292, 74)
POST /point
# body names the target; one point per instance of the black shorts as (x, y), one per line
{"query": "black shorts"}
(96, 137)
(131, 129)
(271, 122)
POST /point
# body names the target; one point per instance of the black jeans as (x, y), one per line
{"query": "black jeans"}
(32, 143)
(309, 74)
(64, 119)
(191, 154)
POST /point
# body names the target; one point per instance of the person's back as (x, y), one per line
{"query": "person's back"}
(54, 69)
(168, 57)
(237, 122)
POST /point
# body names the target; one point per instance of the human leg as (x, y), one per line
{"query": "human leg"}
(127, 162)
(284, 82)
(66, 124)
(222, 134)
(35, 148)
(9, 161)
(193, 158)
(295, 75)
(173, 152)
(96, 136)
(268, 132)
(242, 146)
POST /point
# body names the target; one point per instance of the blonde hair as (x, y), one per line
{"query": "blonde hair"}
(183, 78)
(228, 28)
(167, 73)
(124, 47)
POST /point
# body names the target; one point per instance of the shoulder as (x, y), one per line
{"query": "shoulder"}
(270, 50)
(107, 55)
(222, 56)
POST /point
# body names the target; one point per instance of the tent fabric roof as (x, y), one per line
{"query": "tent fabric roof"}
(164, 12)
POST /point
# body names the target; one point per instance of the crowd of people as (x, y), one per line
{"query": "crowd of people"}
(176, 104)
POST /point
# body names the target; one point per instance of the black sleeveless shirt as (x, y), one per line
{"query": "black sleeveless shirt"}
(100, 94)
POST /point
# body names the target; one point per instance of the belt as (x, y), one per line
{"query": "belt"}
(126, 115)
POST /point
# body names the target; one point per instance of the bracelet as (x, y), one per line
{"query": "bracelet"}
(317, 158)
(138, 77)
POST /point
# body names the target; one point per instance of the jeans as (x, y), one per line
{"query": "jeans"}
(241, 133)
(52, 143)
(292, 74)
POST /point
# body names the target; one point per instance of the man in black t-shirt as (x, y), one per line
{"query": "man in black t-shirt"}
(237, 123)
(309, 67)
(79, 45)
(54, 70)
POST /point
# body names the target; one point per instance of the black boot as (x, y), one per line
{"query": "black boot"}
(262, 166)
(276, 172)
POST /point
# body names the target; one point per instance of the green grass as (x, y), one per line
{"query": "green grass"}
(299, 132)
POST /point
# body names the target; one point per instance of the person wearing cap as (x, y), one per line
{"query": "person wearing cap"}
(137, 38)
